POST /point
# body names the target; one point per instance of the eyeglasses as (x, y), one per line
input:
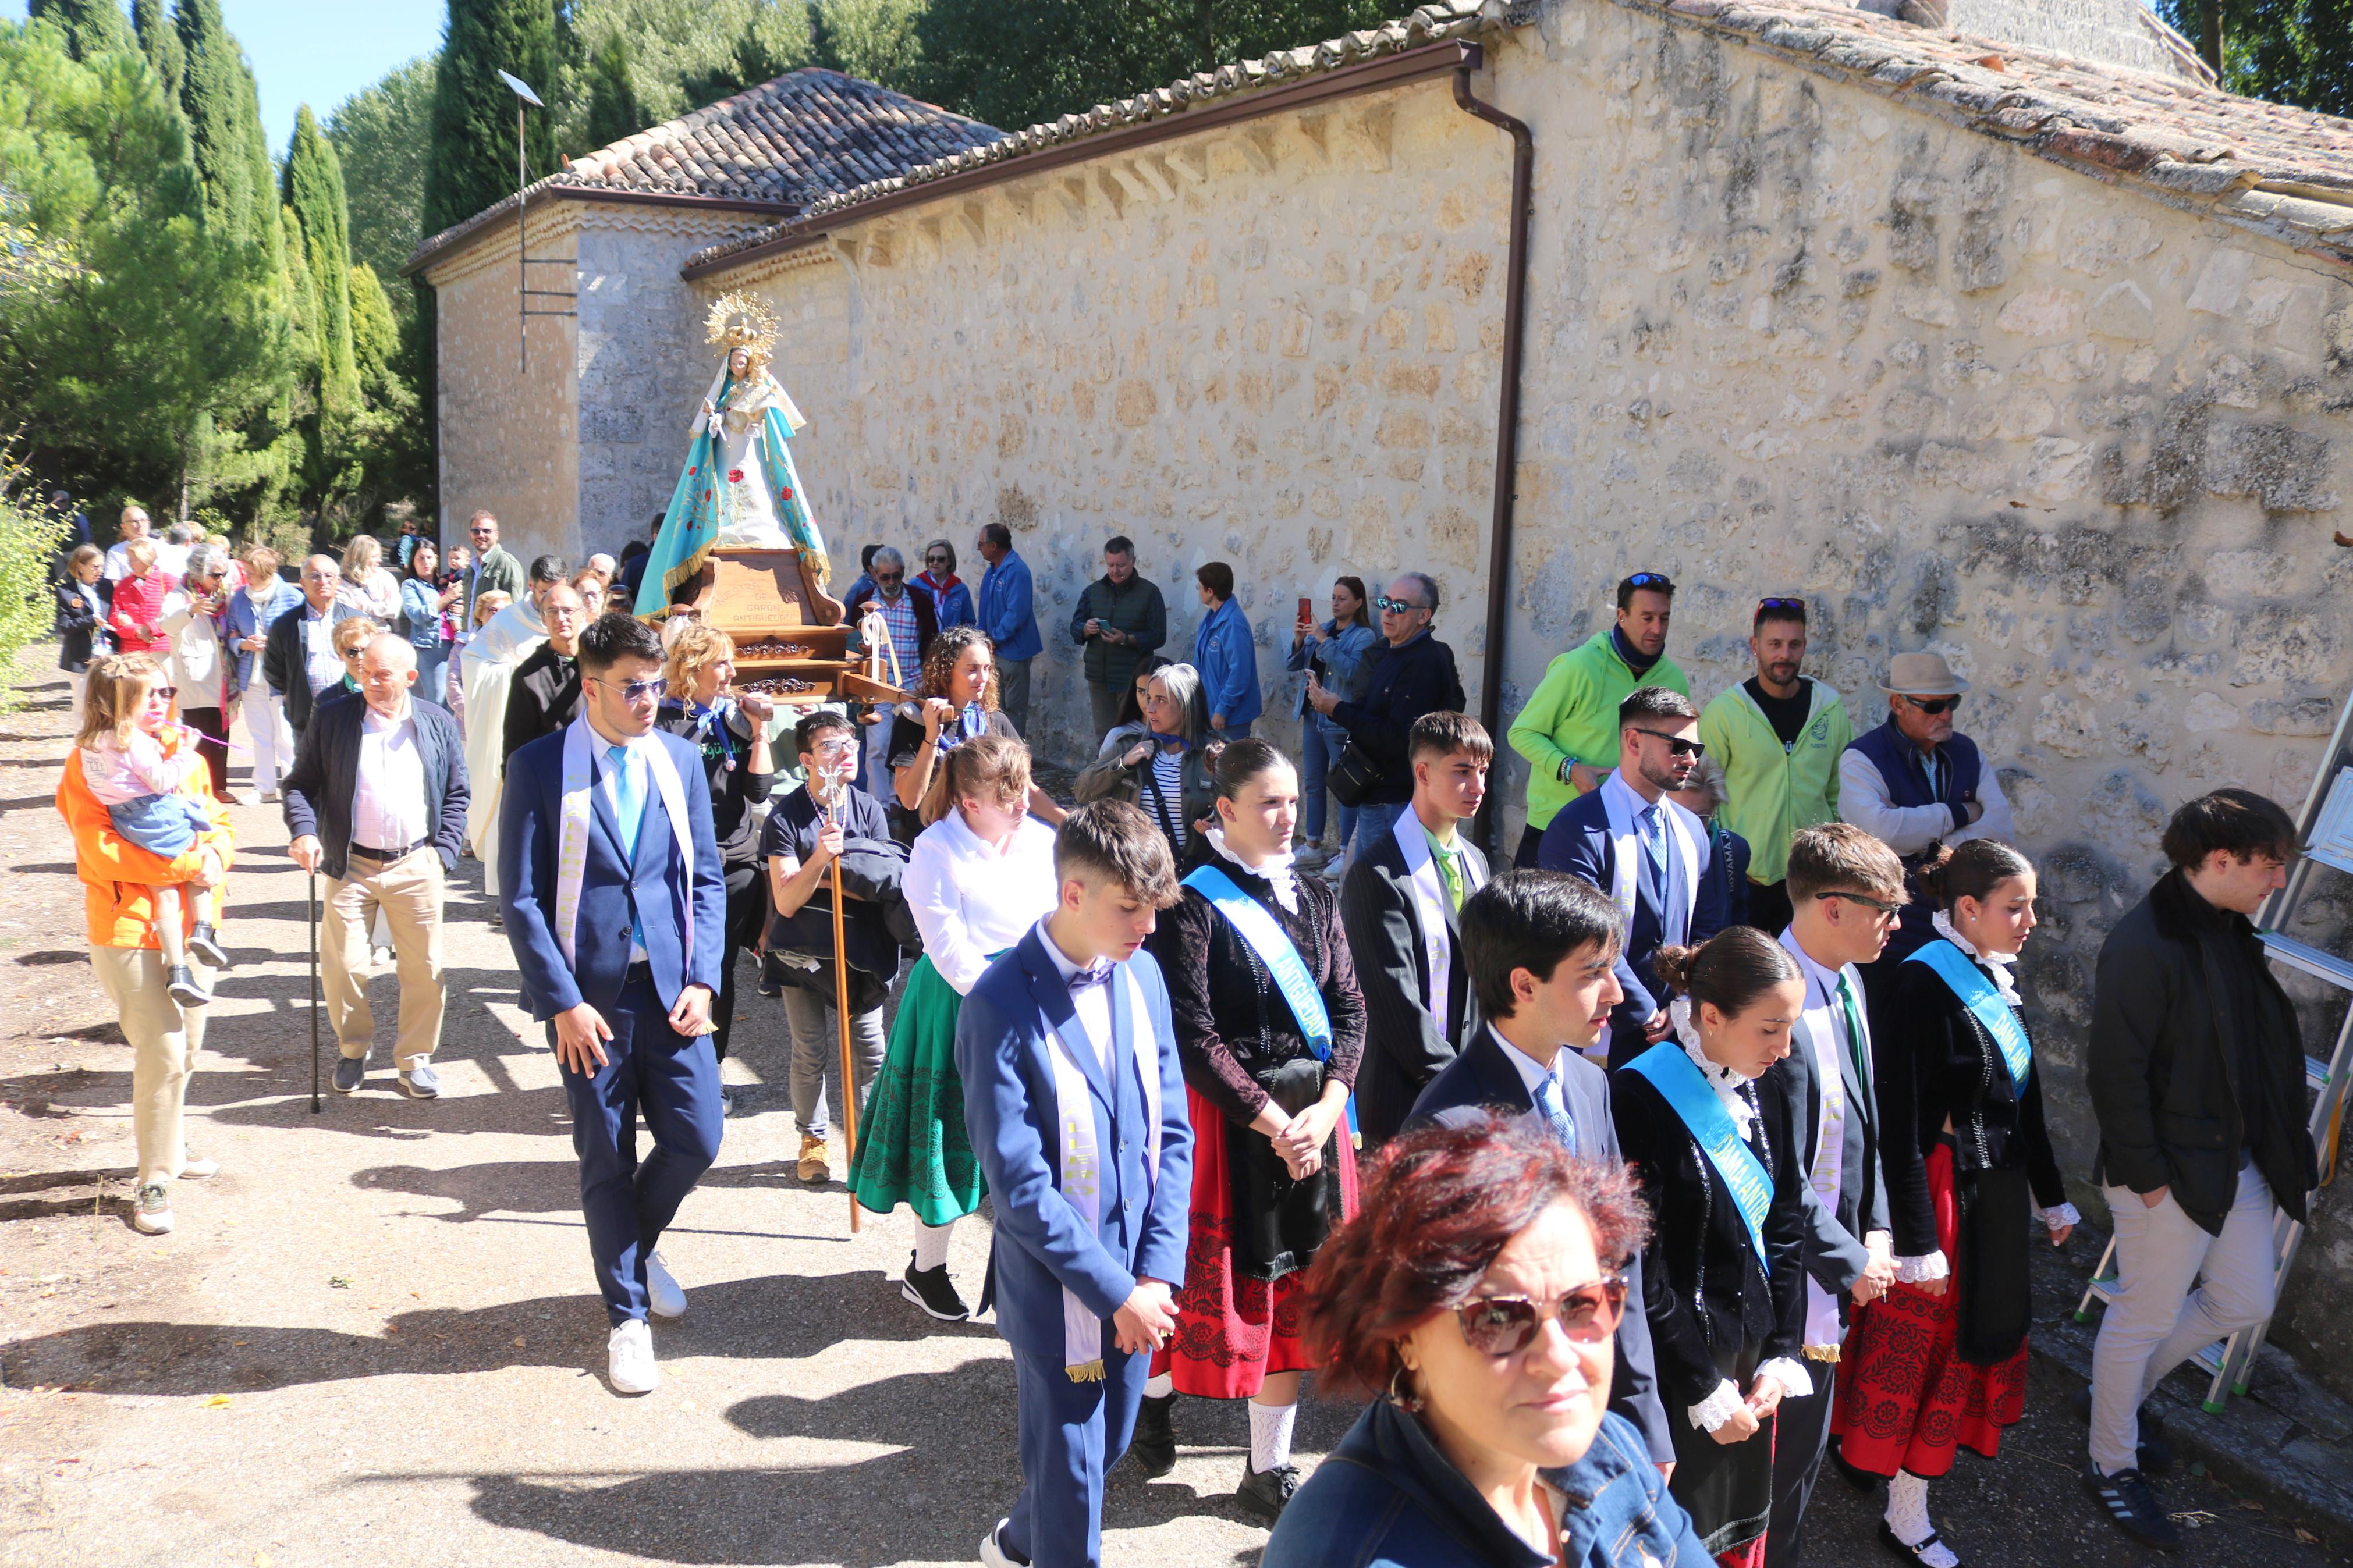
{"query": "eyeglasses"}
(1677, 744)
(1505, 1325)
(1880, 907)
(1389, 606)
(1796, 606)
(846, 746)
(1658, 582)
(1934, 704)
(633, 692)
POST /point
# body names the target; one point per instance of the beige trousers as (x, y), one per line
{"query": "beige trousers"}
(408, 892)
(165, 1039)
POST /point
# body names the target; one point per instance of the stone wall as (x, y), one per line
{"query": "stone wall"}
(1786, 336)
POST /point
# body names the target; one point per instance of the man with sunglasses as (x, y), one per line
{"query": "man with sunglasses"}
(494, 569)
(1655, 859)
(1914, 781)
(1778, 736)
(615, 903)
(1408, 674)
(1568, 729)
(1541, 952)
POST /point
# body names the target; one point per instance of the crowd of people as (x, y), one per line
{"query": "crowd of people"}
(1632, 1182)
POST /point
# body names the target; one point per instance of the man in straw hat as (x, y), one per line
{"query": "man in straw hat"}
(1915, 781)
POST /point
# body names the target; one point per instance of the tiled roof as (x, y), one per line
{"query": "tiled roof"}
(783, 145)
(2284, 172)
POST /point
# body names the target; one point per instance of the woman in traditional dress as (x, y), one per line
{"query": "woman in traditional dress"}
(980, 875)
(955, 701)
(1269, 1027)
(1163, 762)
(1728, 1191)
(1939, 1362)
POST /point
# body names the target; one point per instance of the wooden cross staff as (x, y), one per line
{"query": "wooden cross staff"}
(834, 801)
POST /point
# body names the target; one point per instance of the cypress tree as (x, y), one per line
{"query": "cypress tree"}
(160, 41)
(613, 111)
(314, 193)
(91, 27)
(472, 165)
(224, 111)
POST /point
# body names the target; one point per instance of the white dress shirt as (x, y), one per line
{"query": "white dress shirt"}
(388, 798)
(971, 903)
(1092, 1005)
(1908, 829)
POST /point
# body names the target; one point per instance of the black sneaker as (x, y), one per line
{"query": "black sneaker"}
(1154, 1449)
(1267, 1493)
(931, 1290)
(183, 988)
(2156, 1454)
(205, 944)
(350, 1071)
(2129, 1502)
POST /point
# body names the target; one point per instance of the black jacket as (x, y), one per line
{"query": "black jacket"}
(734, 791)
(1402, 684)
(543, 697)
(1404, 1046)
(2163, 1062)
(81, 631)
(319, 788)
(1134, 607)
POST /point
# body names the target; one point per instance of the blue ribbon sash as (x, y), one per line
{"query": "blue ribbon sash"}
(1249, 918)
(1984, 1002)
(1679, 1083)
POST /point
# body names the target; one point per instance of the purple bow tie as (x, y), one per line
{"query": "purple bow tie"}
(1093, 974)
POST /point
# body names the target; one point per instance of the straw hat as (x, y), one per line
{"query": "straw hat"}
(1922, 675)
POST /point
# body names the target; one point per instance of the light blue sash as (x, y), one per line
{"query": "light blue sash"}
(1274, 949)
(1679, 1083)
(1984, 1002)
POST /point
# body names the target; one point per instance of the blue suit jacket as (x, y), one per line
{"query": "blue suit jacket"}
(1481, 1079)
(1043, 1246)
(1578, 843)
(1006, 613)
(667, 894)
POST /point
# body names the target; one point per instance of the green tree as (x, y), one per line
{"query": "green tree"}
(160, 41)
(31, 535)
(314, 193)
(629, 64)
(613, 111)
(877, 40)
(91, 27)
(224, 111)
(2287, 51)
(471, 164)
(381, 135)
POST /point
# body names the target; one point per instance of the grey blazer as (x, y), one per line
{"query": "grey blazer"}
(1835, 1255)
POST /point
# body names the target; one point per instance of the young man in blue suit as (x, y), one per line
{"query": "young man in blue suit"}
(1541, 952)
(1655, 859)
(615, 905)
(1075, 1104)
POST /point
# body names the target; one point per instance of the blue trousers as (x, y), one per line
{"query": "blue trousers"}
(1319, 746)
(672, 1080)
(1071, 1434)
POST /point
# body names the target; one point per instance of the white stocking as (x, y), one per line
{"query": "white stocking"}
(1908, 1516)
(931, 1245)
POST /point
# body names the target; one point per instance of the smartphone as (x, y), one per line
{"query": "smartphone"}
(1306, 611)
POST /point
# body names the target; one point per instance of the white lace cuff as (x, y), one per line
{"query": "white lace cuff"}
(1921, 1271)
(1717, 1408)
(2064, 1215)
(1796, 1382)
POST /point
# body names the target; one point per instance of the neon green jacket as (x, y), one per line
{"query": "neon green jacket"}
(1573, 713)
(1770, 792)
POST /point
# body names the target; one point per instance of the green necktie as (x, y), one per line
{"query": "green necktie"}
(1854, 1037)
(1450, 869)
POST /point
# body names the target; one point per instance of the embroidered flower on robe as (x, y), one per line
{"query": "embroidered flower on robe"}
(735, 476)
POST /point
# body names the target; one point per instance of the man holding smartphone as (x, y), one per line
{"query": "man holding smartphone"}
(1119, 619)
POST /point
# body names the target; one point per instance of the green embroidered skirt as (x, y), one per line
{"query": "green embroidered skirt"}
(912, 1145)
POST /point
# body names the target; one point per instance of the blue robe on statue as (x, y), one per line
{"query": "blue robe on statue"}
(739, 488)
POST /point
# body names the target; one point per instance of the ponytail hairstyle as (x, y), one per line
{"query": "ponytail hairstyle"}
(1971, 870)
(1243, 761)
(1730, 971)
(988, 767)
(115, 696)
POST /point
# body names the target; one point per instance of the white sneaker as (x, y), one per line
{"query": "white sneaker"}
(196, 1165)
(992, 1555)
(664, 1295)
(629, 1359)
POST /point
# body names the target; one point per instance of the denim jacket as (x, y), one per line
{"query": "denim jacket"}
(1339, 660)
(421, 614)
(1386, 1498)
(247, 618)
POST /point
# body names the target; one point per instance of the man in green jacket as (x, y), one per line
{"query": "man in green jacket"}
(1119, 619)
(1778, 736)
(1569, 731)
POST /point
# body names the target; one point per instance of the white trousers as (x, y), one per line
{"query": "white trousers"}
(2155, 1320)
(271, 737)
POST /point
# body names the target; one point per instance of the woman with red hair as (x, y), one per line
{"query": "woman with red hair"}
(1478, 1291)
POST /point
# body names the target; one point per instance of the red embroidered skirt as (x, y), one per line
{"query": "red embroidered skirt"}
(1232, 1332)
(1905, 1400)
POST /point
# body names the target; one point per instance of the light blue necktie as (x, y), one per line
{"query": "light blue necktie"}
(1556, 1114)
(628, 808)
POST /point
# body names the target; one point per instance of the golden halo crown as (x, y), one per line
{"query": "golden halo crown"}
(740, 320)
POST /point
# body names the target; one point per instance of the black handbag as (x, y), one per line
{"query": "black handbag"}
(1354, 776)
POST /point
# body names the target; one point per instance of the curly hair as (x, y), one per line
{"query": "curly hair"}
(940, 662)
(694, 649)
(1438, 1206)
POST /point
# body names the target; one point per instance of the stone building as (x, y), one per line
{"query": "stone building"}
(2033, 347)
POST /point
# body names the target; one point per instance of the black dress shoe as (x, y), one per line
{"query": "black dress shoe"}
(2128, 1501)
(2156, 1454)
(931, 1290)
(1861, 1481)
(1154, 1449)
(1267, 1493)
(1895, 1543)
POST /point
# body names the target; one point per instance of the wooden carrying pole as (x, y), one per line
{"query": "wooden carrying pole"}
(841, 1018)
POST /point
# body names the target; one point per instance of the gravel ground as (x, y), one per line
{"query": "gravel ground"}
(374, 1339)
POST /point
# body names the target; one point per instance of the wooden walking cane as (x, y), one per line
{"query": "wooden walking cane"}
(841, 1013)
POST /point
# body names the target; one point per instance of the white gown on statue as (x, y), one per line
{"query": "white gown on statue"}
(488, 665)
(748, 502)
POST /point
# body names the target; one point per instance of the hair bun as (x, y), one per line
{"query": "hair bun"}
(1930, 873)
(1672, 965)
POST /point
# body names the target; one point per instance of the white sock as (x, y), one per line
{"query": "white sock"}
(1270, 1435)
(1160, 1387)
(1908, 1516)
(931, 1246)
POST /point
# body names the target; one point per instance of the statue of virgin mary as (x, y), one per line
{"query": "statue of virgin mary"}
(739, 487)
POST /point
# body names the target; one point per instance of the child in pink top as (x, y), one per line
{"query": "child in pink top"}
(141, 766)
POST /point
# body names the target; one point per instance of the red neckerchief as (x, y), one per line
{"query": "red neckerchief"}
(937, 584)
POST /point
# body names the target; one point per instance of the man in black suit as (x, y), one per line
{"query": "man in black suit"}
(544, 695)
(1846, 892)
(1400, 904)
(1541, 951)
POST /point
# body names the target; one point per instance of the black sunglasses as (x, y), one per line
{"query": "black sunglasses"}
(1659, 581)
(166, 693)
(1677, 744)
(1505, 1325)
(1934, 704)
(1795, 606)
(1881, 906)
(1387, 605)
